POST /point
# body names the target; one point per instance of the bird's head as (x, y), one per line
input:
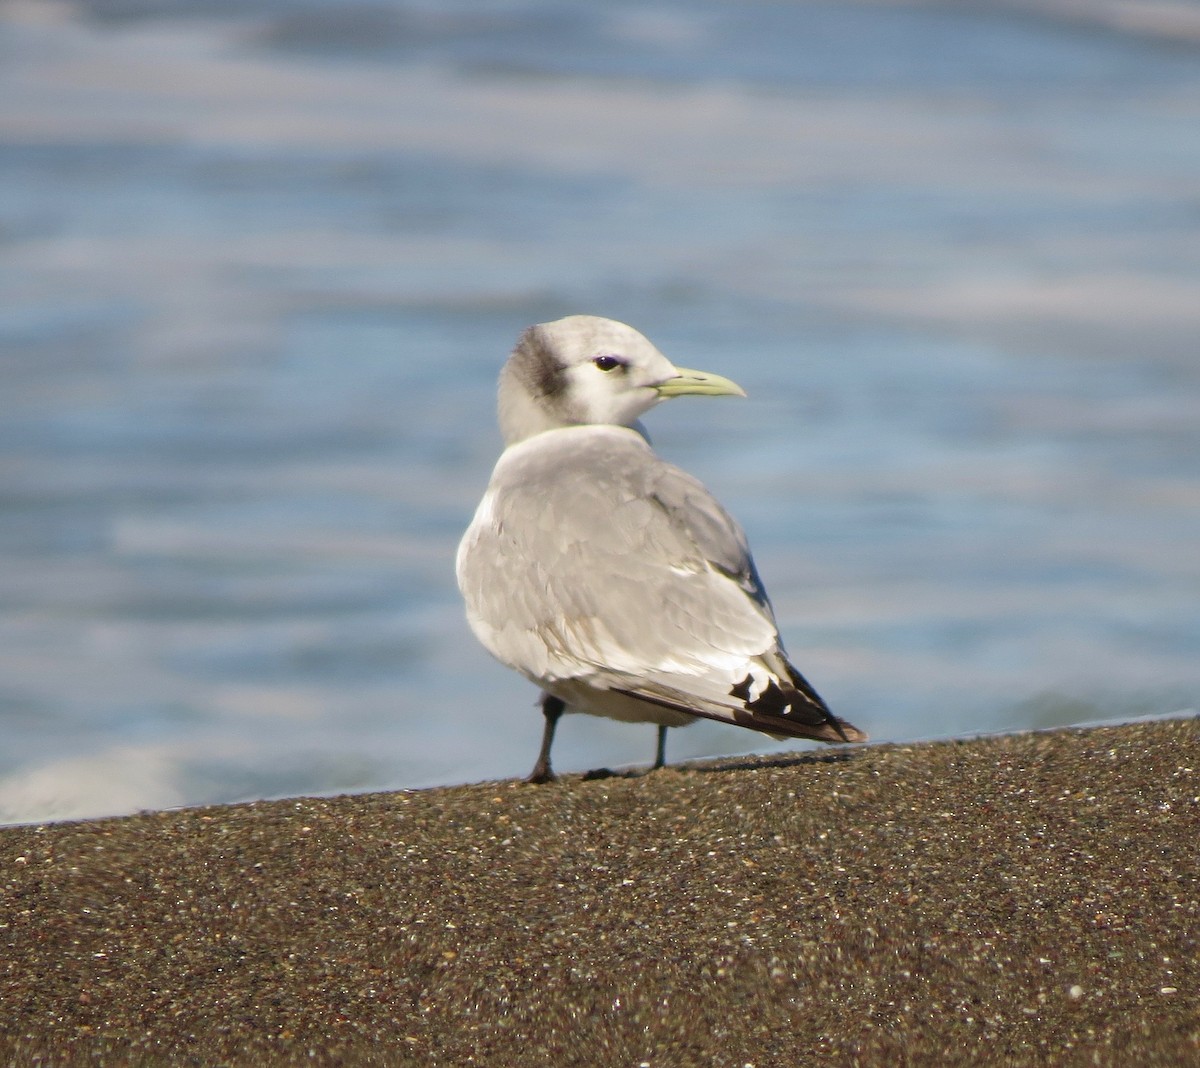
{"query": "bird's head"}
(585, 370)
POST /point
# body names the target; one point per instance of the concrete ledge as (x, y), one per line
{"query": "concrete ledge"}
(1030, 899)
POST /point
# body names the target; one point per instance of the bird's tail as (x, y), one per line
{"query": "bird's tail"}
(783, 707)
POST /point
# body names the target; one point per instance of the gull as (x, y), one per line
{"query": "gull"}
(609, 578)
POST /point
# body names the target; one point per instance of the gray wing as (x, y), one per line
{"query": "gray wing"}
(592, 559)
(589, 552)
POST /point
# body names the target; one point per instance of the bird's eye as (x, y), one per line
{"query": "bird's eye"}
(608, 363)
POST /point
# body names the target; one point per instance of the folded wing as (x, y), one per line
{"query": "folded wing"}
(592, 561)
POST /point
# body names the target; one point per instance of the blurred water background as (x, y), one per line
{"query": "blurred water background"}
(260, 262)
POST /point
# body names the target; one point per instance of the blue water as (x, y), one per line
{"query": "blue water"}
(260, 264)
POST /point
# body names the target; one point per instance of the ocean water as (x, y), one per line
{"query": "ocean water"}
(260, 263)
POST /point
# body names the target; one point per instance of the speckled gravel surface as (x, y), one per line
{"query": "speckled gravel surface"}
(1032, 899)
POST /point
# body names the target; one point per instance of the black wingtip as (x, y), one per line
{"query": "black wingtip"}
(780, 720)
(846, 732)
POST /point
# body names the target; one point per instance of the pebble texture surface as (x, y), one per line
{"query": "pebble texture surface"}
(1029, 899)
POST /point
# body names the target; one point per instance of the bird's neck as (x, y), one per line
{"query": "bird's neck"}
(519, 414)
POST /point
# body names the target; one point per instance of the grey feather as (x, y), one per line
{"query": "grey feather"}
(594, 561)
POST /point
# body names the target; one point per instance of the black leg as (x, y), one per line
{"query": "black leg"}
(660, 757)
(552, 708)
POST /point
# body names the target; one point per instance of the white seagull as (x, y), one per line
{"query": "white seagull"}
(608, 577)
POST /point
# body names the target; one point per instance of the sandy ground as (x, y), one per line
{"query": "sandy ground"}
(1028, 899)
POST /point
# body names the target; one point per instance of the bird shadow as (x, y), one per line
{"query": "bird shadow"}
(760, 763)
(596, 774)
(721, 766)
